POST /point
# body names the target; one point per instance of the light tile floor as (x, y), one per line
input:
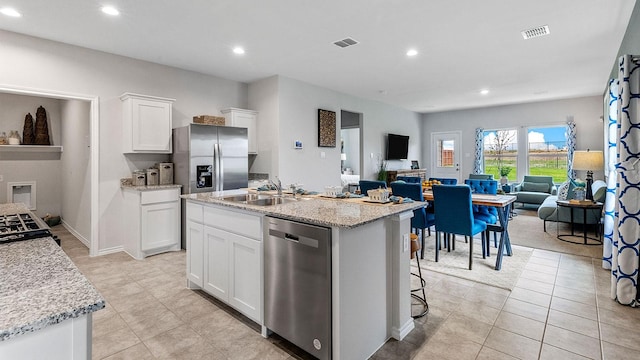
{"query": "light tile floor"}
(560, 309)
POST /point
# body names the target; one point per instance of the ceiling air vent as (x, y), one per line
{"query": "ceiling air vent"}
(345, 42)
(535, 32)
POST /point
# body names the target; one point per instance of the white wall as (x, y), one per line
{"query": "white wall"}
(43, 168)
(41, 64)
(75, 167)
(296, 118)
(586, 113)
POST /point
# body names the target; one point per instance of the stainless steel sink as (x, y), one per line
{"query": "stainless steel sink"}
(272, 201)
(246, 197)
(262, 199)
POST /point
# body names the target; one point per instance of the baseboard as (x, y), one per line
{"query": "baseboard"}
(73, 232)
(110, 250)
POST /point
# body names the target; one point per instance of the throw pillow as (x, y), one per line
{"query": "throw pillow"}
(535, 187)
(563, 191)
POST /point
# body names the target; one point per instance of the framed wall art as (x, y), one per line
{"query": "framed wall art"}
(326, 128)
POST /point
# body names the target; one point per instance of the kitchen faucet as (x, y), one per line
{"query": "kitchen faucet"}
(278, 186)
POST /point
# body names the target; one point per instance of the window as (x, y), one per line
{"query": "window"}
(445, 153)
(501, 153)
(547, 152)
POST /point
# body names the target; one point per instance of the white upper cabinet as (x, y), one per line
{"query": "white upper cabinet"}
(146, 124)
(246, 119)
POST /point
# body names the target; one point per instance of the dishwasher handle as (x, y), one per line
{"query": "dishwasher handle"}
(293, 238)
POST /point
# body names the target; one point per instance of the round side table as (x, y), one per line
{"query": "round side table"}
(593, 206)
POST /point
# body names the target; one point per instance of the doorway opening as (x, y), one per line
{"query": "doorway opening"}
(350, 148)
(76, 159)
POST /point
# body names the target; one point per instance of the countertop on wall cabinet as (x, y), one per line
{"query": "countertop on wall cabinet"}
(41, 287)
(343, 213)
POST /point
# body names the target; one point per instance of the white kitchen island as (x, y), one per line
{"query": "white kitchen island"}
(370, 262)
(46, 304)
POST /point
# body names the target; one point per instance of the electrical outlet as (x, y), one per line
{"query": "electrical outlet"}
(405, 242)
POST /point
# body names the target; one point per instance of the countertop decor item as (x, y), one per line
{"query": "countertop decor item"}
(28, 137)
(42, 128)
(326, 128)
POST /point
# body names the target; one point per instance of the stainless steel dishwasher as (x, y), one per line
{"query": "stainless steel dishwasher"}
(297, 283)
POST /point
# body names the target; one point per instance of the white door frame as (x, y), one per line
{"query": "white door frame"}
(94, 127)
(456, 170)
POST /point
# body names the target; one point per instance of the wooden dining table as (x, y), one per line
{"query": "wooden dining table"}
(503, 204)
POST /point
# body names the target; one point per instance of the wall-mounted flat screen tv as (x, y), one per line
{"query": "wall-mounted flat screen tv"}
(397, 147)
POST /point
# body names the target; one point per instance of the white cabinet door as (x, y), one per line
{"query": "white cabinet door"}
(147, 124)
(160, 225)
(244, 276)
(216, 265)
(246, 119)
(195, 249)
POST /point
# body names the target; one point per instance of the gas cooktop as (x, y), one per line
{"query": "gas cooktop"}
(16, 227)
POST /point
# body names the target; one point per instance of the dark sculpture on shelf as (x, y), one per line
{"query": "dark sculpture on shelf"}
(28, 137)
(42, 128)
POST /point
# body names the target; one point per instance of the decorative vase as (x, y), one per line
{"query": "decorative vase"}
(506, 188)
(503, 180)
(579, 194)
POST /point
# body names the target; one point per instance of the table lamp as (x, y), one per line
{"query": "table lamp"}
(589, 161)
(343, 158)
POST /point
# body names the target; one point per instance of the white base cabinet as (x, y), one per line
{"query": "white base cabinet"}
(224, 256)
(152, 220)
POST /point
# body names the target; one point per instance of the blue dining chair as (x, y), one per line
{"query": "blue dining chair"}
(410, 179)
(488, 214)
(366, 185)
(445, 181)
(421, 220)
(454, 215)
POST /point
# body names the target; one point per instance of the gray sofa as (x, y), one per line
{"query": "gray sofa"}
(549, 211)
(534, 189)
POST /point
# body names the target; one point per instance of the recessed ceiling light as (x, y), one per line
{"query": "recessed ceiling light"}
(484, 91)
(412, 52)
(110, 10)
(238, 50)
(10, 12)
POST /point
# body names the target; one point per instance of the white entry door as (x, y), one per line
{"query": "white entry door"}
(445, 155)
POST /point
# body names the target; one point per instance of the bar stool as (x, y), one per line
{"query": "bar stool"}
(415, 248)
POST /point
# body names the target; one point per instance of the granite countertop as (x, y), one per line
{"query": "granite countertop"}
(126, 183)
(40, 287)
(13, 208)
(345, 213)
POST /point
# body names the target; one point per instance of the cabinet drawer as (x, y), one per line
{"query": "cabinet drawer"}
(235, 222)
(157, 196)
(194, 212)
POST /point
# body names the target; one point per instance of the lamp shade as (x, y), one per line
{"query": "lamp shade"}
(343, 156)
(588, 160)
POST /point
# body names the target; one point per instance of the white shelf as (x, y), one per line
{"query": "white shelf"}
(31, 148)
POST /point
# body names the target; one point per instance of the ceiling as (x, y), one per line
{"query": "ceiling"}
(463, 45)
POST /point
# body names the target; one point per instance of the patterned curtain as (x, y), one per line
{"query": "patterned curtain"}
(478, 166)
(625, 254)
(571, 146)
(610, 159)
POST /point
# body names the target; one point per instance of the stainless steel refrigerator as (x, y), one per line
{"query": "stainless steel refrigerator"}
(209, 158)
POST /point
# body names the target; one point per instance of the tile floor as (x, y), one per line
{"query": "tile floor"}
(560, 309)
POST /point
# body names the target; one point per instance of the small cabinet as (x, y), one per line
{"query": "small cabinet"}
(224, 256)
(152, 220)
(146, 124)
(246, 119)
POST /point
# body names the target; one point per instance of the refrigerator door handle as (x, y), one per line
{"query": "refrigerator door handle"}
(220, 168)
(215, 168)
